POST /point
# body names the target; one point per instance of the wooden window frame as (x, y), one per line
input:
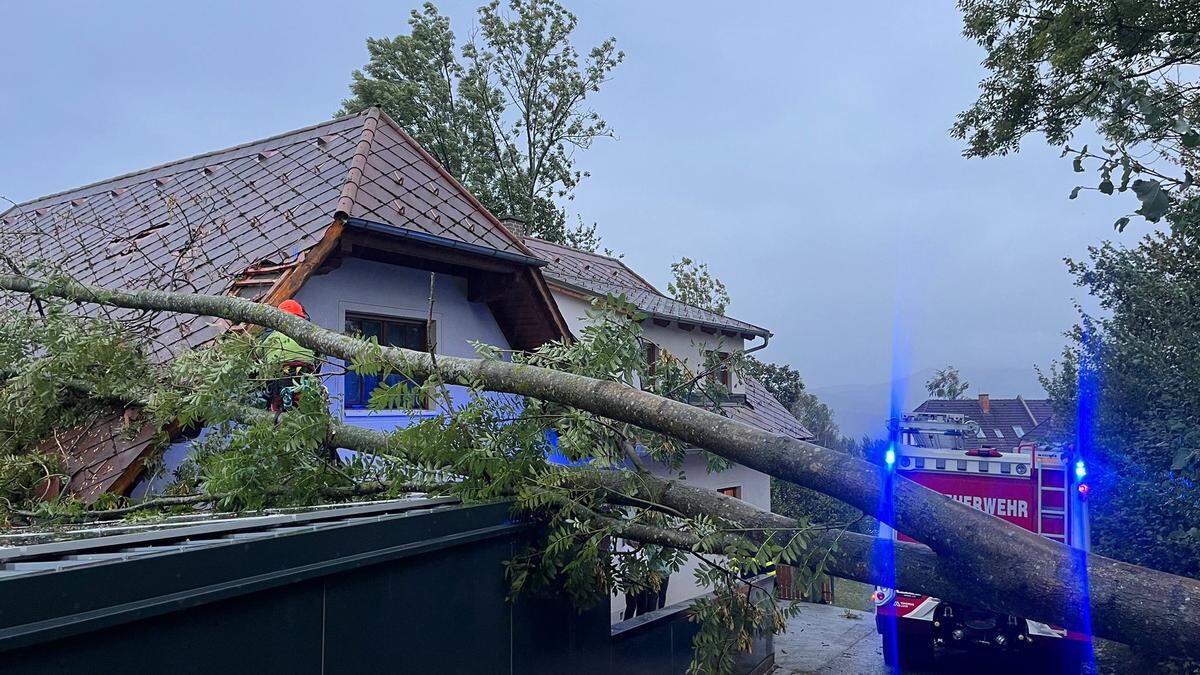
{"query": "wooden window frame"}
(734, 491)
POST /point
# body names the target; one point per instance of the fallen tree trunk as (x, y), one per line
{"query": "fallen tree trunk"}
(1033, 576)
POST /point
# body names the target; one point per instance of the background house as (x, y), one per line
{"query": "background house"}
(1003, 422)
(689, 334)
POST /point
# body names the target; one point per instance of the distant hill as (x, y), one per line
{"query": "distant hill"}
(864, 408)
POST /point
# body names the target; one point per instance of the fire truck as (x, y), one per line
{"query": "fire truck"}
(1042, 489)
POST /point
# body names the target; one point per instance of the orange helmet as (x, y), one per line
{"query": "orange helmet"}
(293, 307)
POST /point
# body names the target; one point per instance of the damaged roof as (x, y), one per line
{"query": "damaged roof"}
(242, 219)
(255, 220)
(602, 275)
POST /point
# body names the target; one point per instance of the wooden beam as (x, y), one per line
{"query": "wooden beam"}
(687, 326)
(662, 322)
(292, 280)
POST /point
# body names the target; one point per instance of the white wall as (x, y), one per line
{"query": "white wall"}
(370, 287)
(687, 346)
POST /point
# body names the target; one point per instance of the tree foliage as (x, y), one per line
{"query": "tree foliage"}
(783, 381)
(1129, 384)
(1128, 68)
(505, 113)
(947, 384)
(695, 285)
(490, 446)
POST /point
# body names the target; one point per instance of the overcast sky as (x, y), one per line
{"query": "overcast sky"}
(801, 149)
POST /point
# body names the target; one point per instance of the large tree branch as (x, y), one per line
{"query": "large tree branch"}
(1034, 576)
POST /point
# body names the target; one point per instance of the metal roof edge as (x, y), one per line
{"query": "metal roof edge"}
(423, 237)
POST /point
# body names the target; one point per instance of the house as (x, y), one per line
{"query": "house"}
(350, 216)
(357, 222)
(1003, 422)
(690, 334)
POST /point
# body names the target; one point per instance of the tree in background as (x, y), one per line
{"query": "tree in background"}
(947, 384)
(783, 381)
(1128, 385)
(1129, 68)
(1133, 377)
(505, 113)
(696, 286)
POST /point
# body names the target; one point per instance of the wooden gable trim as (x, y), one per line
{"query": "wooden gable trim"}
(291, 281)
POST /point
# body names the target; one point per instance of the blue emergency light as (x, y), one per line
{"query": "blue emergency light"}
(889, 458)
(1080, 470)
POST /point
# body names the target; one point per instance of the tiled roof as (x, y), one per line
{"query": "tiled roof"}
(1008, 416)
(765, 412)
(98, 453)
(603, 275)
(239, 221)
(203, 223)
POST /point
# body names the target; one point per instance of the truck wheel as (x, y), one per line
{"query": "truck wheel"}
(907, 652)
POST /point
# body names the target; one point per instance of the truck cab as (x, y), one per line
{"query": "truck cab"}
(1041, 489)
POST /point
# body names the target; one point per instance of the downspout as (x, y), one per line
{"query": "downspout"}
(766, 341)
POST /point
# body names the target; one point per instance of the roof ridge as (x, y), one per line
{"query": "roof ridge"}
(357, 163)
(165, 165)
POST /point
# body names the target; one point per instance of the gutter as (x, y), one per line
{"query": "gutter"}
(441, 242)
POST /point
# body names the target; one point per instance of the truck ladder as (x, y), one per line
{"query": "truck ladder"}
(1059, 499)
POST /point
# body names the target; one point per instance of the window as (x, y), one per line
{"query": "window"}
(718, 372)
(979, 433)
(651, 358)
(1020, 431)
(735, 491)
(410, 334)
(999, 434)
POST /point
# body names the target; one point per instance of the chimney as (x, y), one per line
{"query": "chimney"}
(985, 403)
(515, 224)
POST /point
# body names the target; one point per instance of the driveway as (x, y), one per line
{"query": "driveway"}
(828, 639)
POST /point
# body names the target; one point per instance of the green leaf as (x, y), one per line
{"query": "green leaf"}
(1075, 192)
(1155, 200)
(1119, 226)
(1077, 164)
(1106, 186)
(1191, 139)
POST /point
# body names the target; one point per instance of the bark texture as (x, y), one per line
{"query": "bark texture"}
(1032, 576)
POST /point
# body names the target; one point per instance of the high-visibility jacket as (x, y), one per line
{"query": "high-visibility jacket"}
(282, 349)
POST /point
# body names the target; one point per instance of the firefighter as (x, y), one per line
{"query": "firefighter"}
(284, 353)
